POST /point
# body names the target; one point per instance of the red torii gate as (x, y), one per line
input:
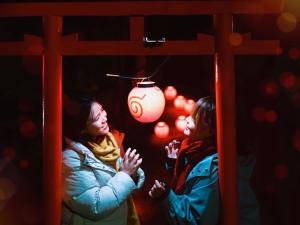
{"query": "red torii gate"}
(53, 46)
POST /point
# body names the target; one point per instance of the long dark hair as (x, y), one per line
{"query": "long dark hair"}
(76, 111)
(204, 115)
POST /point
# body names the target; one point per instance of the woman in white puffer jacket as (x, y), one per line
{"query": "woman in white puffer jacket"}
(97, 182)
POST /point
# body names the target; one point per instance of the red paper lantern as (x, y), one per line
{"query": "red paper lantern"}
(146, 102)
(161, 130)
(170, 92)
(179, 102)
(180, 123)
(189, 105)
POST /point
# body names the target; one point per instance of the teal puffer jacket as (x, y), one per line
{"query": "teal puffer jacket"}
(200, 203)
(94, 193)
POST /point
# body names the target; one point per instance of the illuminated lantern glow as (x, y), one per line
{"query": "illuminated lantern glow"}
(271, 88)
(286, 22)
(271, 116)
(288, 80)
(180, 123)
(161, 130)
(146, 102)
(189, 105)
(179, 102)
(170, 92)
(294, 53)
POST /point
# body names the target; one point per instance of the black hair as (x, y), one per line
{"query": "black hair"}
(76, 111)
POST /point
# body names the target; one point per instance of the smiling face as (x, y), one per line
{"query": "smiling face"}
(190, 126)
(201, 123)
(97, 122)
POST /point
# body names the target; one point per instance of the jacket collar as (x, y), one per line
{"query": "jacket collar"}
(89, 158)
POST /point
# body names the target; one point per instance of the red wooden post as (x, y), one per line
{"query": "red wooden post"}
(52, 113)
(226, 124)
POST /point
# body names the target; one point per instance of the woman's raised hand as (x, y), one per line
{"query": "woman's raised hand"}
(131, 162)
(172, 149)
(158, 189)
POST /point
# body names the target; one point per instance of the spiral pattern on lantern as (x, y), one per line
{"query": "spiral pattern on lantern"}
(135, 106)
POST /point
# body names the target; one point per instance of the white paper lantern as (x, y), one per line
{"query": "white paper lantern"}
(146, 102)
(180, 123)
(161, 130)
(189, 105)
(170, 92)
(179, 102)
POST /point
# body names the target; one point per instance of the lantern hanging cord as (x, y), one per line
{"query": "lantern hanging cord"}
(141, 78)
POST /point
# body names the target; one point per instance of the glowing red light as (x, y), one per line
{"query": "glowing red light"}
(288, 80)
(258, 113)
(189, 105)
(9, 153)
(170, 92)
(23, 164)
(146, 102)
(179, 102)
(271, 116)
(296, 140)
(271, 88)
(28, 129)
(161, 130)
(180, 123)
(281, 171)
(294, 53)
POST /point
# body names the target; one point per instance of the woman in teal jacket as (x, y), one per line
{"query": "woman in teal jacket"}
(193, 196)
(97, 182)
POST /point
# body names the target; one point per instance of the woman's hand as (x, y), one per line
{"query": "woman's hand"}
(172, 149)
(131, 162)
(157, 190)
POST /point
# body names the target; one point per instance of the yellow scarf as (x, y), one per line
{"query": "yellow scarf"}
(108, 151)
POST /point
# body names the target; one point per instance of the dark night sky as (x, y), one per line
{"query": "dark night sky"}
(268, 94)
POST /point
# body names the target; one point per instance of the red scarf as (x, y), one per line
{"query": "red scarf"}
(188, 156)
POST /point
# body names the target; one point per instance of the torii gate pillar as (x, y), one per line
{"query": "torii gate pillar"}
(52, 108)
(226, 123)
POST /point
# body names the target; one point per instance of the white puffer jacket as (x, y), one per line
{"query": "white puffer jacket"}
(94, 193)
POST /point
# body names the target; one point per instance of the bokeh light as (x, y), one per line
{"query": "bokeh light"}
(179, 102)
(288, 80)
(271, 88)
(235, 39)
(180, 123)
(8, 153)
(189, 105)
(281, 171)
(24, 164)
(294, 53)
(271, 116)
(161, 130)
(28, 129)
(170, 92)
(286, 22)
